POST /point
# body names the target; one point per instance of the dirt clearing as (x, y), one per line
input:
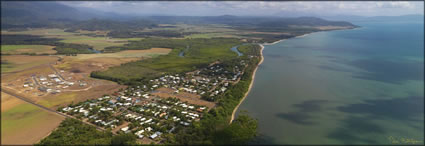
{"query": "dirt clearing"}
(183, 96)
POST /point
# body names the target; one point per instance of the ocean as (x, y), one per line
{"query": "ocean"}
(358, 86)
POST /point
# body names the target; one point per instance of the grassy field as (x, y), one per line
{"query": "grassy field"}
(23, 123)
(127, 54)
(19, 49)
(110, 59)
(41, 32)
(21, 62)
(211, 28)
(212, 35)
(98, 43)
(58, 100)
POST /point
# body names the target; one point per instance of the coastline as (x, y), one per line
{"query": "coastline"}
(253, 75)
(286, 39)
(250, 84)
(255, 70)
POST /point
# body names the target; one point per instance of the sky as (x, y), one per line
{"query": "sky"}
(255, 8)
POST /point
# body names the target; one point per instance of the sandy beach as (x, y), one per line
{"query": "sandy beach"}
(250, 85)
(285, 39)
(274, 42)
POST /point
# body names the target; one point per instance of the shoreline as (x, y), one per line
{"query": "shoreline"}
(286, 39)
(255, 71)
(250, 84)
(261, 61)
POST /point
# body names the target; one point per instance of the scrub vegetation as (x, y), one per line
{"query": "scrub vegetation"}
(199, 53)
(78, 133)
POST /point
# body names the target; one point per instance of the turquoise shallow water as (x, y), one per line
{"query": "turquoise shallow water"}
(360, 86)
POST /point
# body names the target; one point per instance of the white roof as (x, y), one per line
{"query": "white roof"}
(153, 136)
(124, 129)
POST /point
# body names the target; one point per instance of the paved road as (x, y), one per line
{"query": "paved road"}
(45, 108)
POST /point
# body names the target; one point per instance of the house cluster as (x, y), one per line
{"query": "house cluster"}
(145, 117)
(51, 83)
(138, 111)
(210, 81)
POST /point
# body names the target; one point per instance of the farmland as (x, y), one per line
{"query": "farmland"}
(95, 39)
(212, 35)
(153, 52)
(19, 49)
(20, 119)
(98, 43)
(21, 62)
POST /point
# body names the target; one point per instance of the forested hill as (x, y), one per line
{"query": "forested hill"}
(303, 21)
(37, 14)
(39, 10)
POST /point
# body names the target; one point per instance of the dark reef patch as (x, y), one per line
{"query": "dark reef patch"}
(303, 114)
(406, 108)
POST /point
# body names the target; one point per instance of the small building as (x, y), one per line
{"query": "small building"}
(112, 101)
(125, 129)
(43, 78)
(153, 136)
(52, 76)
(149, 129)
(42, 89)
(57, 80)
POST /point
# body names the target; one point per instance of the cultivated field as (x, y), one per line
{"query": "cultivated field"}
(23, 123)
(16, 63)
(128, 54)
(92, 62)
(19, 49)
(42, 32)
(212, 35)
(98, 43)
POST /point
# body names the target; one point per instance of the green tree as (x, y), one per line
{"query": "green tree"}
(124, 139)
